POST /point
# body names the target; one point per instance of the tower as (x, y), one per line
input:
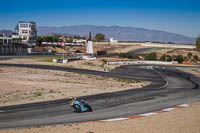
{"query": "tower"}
(27, 31)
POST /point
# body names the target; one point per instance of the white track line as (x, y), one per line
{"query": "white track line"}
(1, 111)
(148, 114)
(183, 105)
(115, 119)
(144, 115)
(168, 109)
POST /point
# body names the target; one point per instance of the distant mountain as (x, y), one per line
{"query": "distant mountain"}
(6, 32)
(118, 33)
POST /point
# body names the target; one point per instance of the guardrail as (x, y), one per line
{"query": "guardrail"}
(141, 62)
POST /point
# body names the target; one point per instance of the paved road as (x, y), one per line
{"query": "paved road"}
(109, 105)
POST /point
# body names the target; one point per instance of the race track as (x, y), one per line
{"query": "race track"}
(167, 89)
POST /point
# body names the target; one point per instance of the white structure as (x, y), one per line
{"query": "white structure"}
(79, 40)
(89, 50)
(113, 41)
(89, 53)
(27, 31)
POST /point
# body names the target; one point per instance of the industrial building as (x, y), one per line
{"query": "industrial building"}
(27, 32)
(12, 45)
(18, 42)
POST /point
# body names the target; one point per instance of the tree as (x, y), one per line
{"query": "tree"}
(151, 56)
(169, 58)
(189, 55)
(125, 55)
(179, 58)
(163, 57)
(54, 38)
(195, 57)
(39, 40)
(100, 37)
(197, 43)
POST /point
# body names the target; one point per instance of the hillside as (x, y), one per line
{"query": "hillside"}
(119, 33)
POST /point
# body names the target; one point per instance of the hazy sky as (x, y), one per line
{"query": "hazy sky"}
(177, 16)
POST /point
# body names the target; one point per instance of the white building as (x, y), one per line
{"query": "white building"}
(79, 40)
(27, 31)
(113, 41)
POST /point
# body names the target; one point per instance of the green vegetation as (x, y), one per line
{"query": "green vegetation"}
(126, 80)
(179, 58)
(38, 126)
(195, 57)
(169, 58)
(189, 55)
(99, 37)
(104, 61)
(163, 57)
(46, 59)
(52, 91)
(126, 55)
(36, 94)
(197, 43)
(54, 38)
(151, 56)
(89, 63)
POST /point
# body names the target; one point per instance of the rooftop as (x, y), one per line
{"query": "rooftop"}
(27, 22)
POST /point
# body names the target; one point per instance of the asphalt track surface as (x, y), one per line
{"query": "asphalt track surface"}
(168, 89)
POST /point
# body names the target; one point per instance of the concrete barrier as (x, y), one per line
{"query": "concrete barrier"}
(141, 62)
(65, 61)
(55, 61)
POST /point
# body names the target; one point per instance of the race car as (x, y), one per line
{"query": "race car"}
(80, 106)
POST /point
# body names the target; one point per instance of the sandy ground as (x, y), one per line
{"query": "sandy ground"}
(183, 120)
(97, 64)
(184, 52)
(25, 85)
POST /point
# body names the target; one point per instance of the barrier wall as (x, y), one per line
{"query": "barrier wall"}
(142, 62)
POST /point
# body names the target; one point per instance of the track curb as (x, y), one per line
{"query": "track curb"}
(142, 115)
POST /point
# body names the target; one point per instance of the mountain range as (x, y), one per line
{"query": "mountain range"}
(6, 32)
(117, 32)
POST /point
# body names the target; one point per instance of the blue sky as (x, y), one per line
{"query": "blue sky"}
(177, 16)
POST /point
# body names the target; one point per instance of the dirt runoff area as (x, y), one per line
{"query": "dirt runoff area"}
(20, 85)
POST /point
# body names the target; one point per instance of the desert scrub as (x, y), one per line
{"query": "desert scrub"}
(46, 59)
(37, 94)
(89, 63)
(126, 80)
(52, 91)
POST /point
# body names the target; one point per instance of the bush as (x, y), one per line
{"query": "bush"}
(195, 57)
(163, 57)
(151, 56)
(197, 43)
(169, 58)
(104, 61)
(125, 55)
(179, 58)
(189, 55)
